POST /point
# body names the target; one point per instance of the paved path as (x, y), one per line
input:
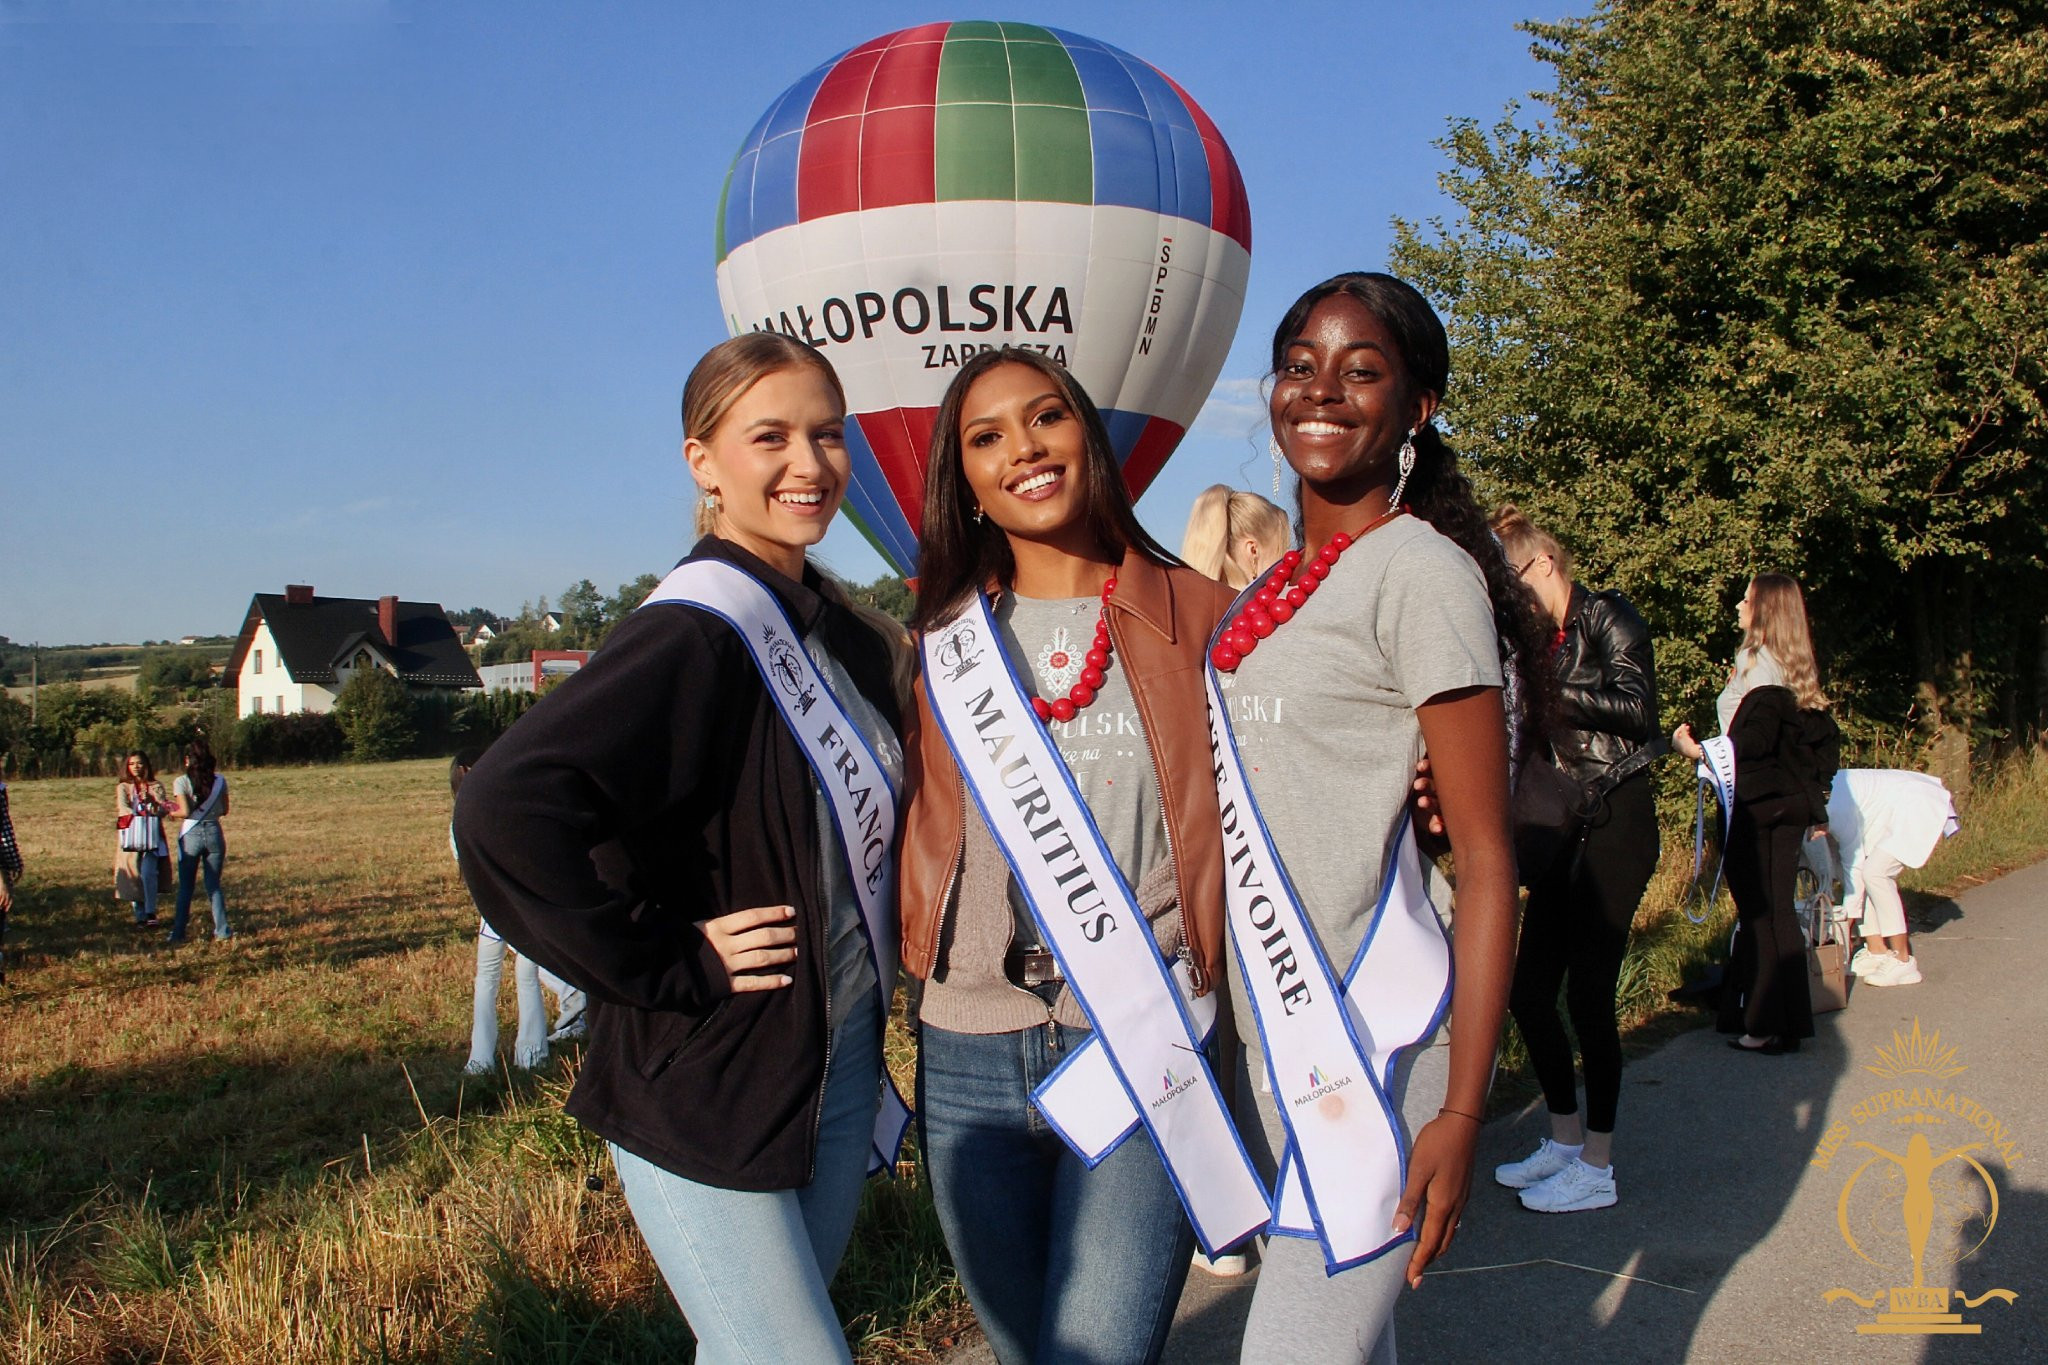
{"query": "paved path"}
(1727, 1236)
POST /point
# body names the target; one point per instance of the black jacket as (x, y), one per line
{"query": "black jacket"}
(1607, 684)
(1785, 758)
(656, 788)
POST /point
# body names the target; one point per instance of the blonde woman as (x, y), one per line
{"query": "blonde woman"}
(696, 830)
(1784, 748)
(1233, 536)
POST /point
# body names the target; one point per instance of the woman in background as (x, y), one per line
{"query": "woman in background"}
(140, 806)
(201, 798)
(1233, 536)
(1785, 748)
(1576, 923)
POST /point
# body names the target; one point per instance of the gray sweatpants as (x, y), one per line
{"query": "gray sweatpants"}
(1298, 1312)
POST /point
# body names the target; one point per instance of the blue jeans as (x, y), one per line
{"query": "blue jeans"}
(1061, 1263)
(204, 848)
(530, 1047)
(751, 1269)
(146, 872)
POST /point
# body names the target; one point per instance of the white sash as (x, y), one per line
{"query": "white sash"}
(1328, 1063)
(857, 787)
(213, 796)
(1717, 772)
(1144, 1061)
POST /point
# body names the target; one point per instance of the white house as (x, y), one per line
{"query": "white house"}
(296, 651)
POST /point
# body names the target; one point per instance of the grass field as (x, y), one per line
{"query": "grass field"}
(265, 1150)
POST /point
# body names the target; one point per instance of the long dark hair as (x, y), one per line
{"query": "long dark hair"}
(958, 556)
(1440, 494)
(199, 769)
(148, 768)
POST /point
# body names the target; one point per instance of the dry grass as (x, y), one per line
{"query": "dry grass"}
(264, 1150)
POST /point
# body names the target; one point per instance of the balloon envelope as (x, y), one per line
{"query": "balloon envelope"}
(959, 186)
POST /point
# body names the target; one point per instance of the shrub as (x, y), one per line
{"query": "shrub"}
(376, 716)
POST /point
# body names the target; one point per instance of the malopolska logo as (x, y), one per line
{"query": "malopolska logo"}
(1171, 1084)
(1322, 1092)
(1923, 1206)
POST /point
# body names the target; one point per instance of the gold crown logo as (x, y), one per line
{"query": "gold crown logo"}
(1920, 1054)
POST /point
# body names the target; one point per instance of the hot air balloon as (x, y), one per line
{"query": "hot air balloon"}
(958, 186)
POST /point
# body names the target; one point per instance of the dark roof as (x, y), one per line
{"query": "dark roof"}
(311, 636)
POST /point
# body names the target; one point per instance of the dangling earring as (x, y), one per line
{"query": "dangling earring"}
(1278, 456)
(979, 515)
(1407, 466)
(711, 500)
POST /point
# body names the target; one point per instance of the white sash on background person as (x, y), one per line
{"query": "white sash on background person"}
(1329, 1052)
(856, 785)
(205, 809)
(1144, 1061)
(1717, 773)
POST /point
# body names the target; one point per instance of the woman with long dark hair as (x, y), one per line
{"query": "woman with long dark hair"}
(1576, 924)
(200, 797)
(1780, 747)
(697, 829)
(140, 806)
(1062, 884)
(1389, 634)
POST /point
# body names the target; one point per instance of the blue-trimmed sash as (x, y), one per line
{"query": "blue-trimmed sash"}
(1144, 1062)
(1717, 773)
(857, 787)
(1329, 1053)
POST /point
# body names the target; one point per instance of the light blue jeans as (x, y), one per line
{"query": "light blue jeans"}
(530, 1045)
(146, 872)
(751, 1270)
(1060, 1262)
(203, 847)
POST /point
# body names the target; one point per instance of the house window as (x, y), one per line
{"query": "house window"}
(255, 706)
(259, 662)
(280, 706)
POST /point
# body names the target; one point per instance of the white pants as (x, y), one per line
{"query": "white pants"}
(1874, 890)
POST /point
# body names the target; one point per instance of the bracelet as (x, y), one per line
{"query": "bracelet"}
(1463, 1115)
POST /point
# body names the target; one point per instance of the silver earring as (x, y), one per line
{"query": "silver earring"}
(978, 516)
(1279, 456)
(1407, 466)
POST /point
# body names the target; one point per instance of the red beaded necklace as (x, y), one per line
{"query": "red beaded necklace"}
(1275, 604)
(1093, 663)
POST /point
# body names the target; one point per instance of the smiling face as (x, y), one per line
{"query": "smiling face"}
(778, 462)
(1024, 452)
(1343, 402)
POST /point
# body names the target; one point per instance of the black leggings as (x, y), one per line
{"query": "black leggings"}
(1575, 927)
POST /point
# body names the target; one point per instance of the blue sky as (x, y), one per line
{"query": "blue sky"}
(400, 298)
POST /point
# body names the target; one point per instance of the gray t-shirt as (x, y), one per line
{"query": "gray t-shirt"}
(1323, 712)
(1753, 669)
(851, 967)
(1104, 746)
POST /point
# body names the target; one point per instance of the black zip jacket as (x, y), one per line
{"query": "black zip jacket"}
(1606, 684)
(656, 788)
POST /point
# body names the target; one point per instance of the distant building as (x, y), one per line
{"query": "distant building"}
(550, 622)
(297, 651)
(528, 674)
(481, 636)
(188, 639)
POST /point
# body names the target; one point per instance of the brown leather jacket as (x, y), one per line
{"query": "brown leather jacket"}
(1160, 620)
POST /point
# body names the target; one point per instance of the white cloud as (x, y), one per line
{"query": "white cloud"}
(1234, 408)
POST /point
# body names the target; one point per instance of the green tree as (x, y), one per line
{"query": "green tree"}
(169, 674)
(375, 715)
(1764, 291)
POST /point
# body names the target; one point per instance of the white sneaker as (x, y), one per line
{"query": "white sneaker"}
(1226, 1266)
(1894, 971)
(1546, 1161)
(1866, 961)
(1572, 1190)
